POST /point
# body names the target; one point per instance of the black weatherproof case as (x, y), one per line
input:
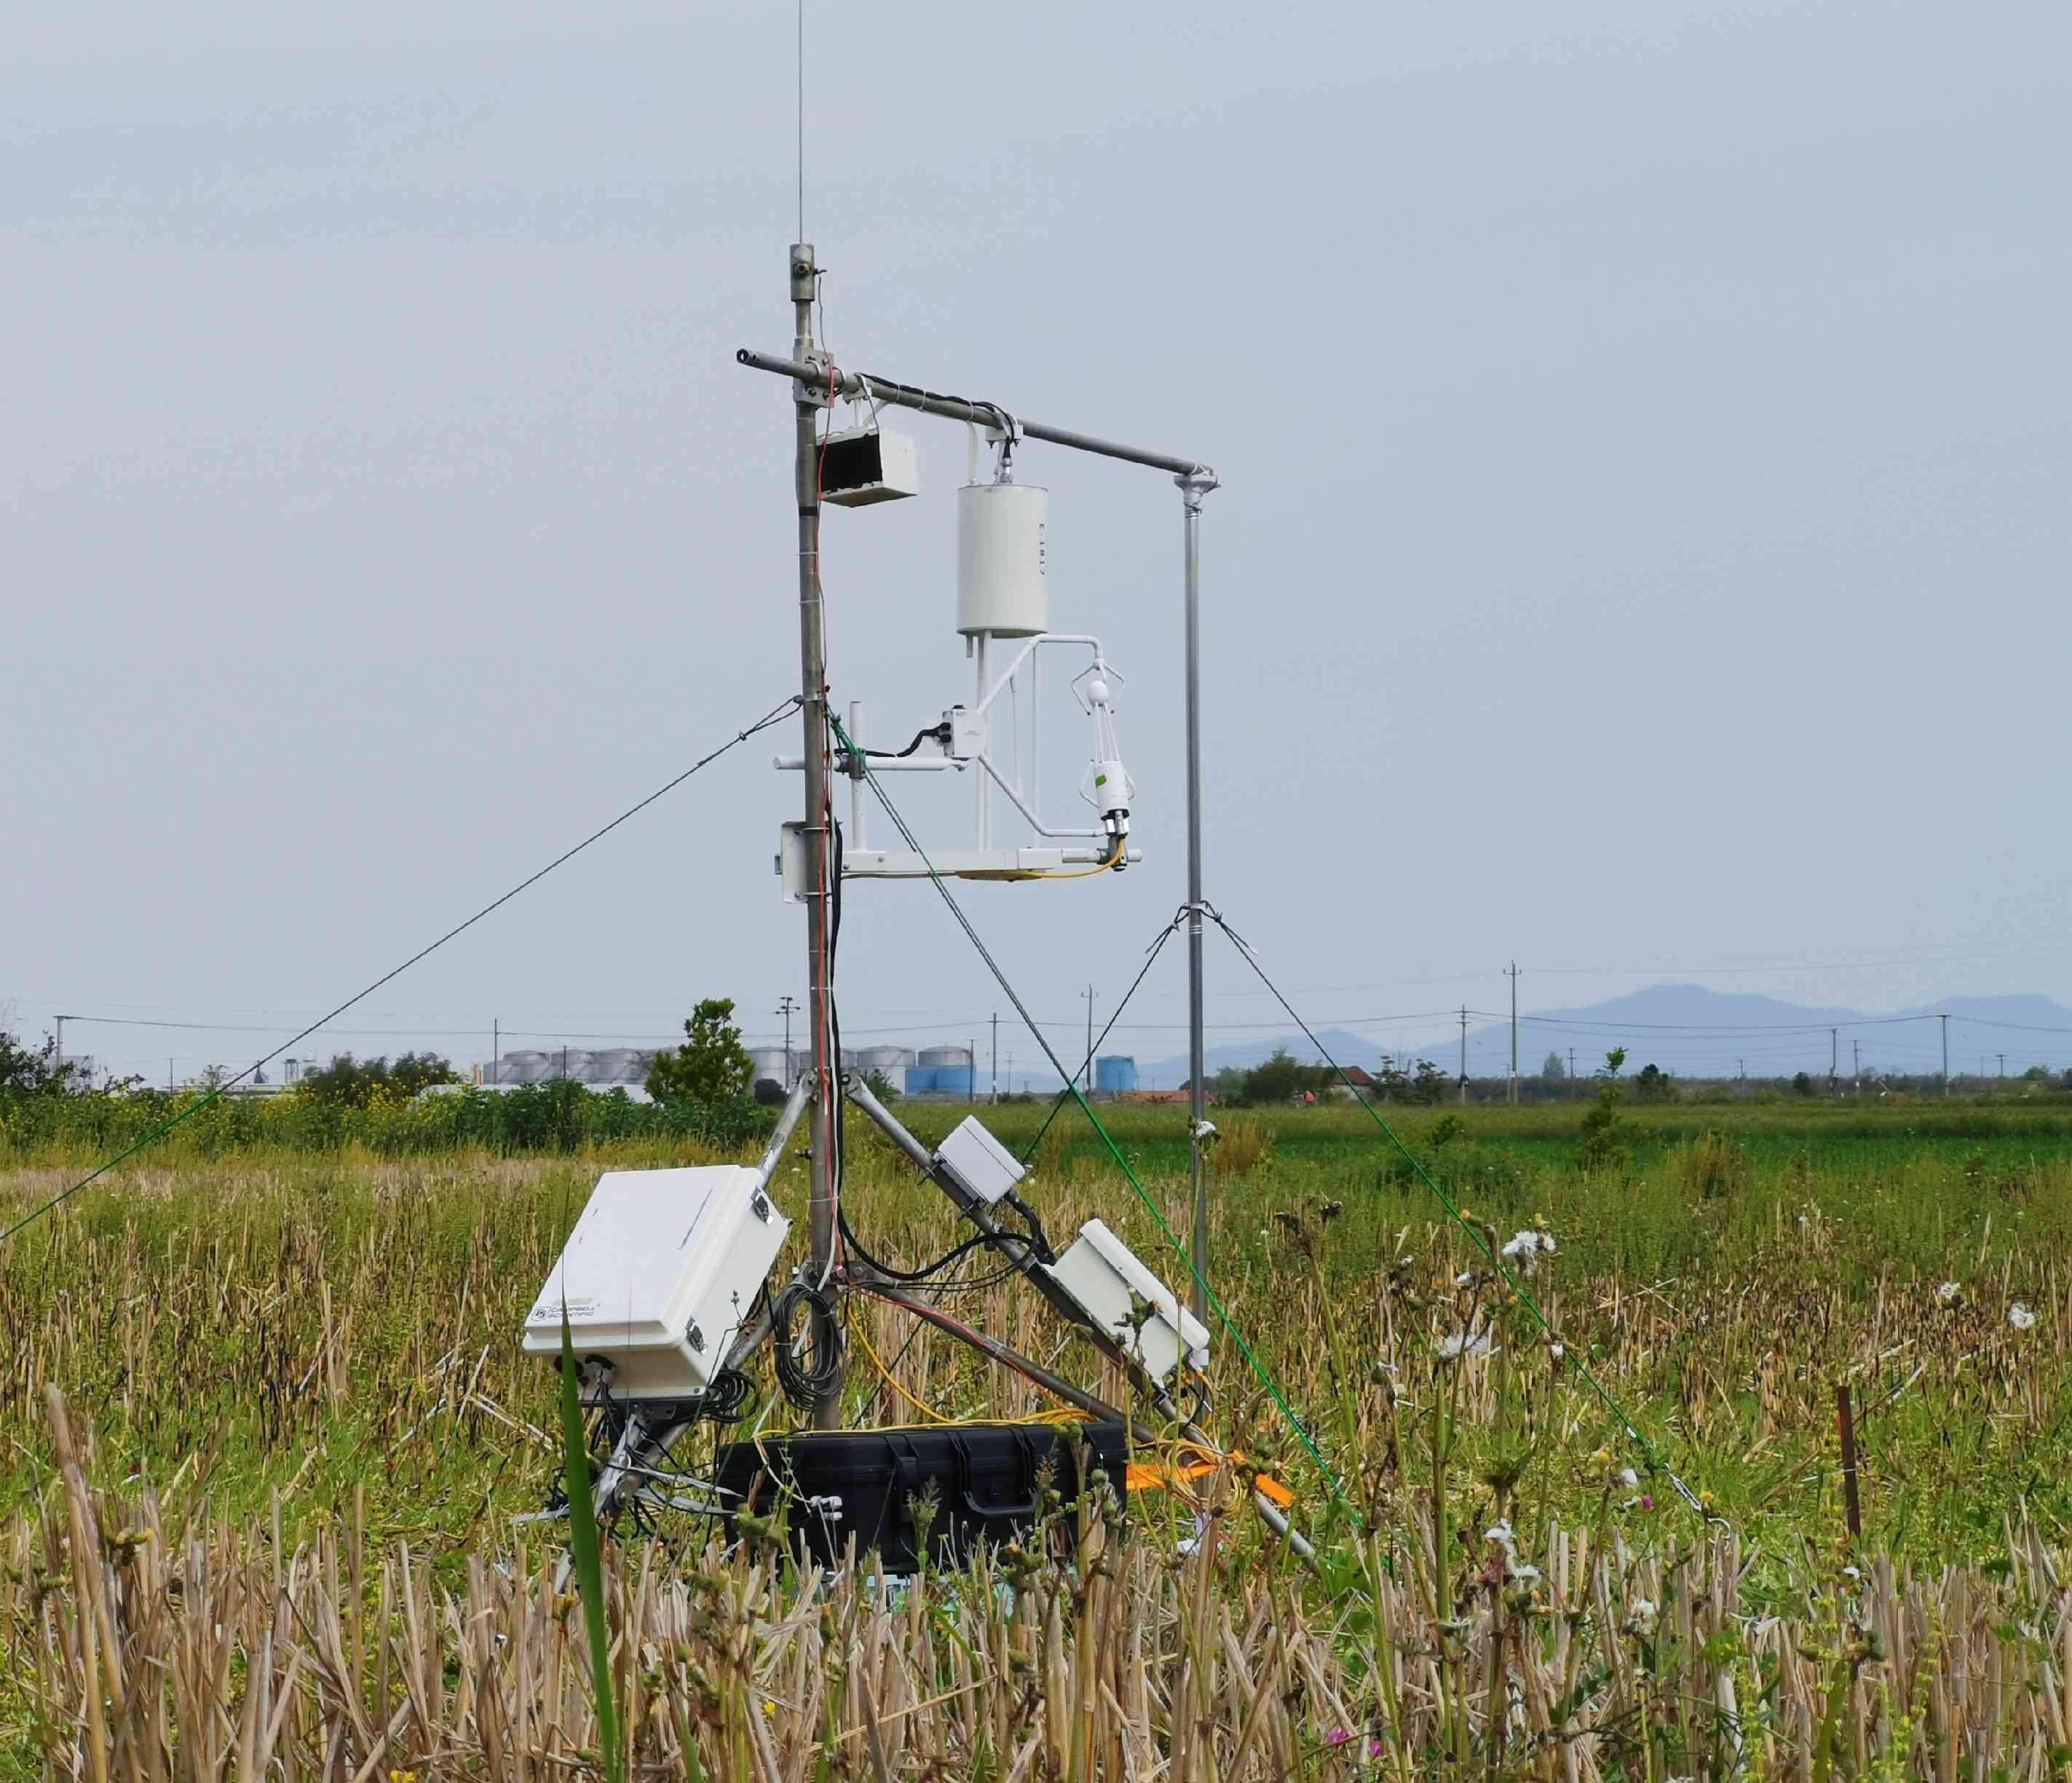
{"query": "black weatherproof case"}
(987, 1481)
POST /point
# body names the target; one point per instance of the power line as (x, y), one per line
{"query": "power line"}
(494, 904)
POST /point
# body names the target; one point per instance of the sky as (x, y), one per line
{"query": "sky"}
(1642, 551)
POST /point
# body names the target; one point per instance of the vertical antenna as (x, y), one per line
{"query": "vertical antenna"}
(802, 119)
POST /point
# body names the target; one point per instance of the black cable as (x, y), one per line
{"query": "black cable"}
(927, 1272)
(805, 1382)
(729, 1398)
(193, 1108)
(940, 732)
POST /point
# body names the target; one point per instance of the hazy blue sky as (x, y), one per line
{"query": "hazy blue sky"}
(1644, 545)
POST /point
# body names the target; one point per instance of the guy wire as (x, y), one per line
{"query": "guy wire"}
(220, 1090)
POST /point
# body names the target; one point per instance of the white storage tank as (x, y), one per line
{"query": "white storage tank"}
(767, 1064)
(526, 1067)
(618, 1065)
(1003, 577)
(945, 1055)
(887, 1059)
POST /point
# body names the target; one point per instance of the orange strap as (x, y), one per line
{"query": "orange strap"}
(1158, 1476)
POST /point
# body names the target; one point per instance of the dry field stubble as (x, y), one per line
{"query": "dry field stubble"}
(299, 1428)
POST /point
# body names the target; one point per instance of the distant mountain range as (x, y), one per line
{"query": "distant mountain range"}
(1693, 1032)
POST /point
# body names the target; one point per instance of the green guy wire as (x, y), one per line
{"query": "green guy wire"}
(1000, 977)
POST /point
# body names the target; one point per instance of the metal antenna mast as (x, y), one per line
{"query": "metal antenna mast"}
(820, 877)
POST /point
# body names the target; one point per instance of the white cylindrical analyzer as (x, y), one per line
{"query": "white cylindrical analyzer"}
(1111, 789)
(1003, 586)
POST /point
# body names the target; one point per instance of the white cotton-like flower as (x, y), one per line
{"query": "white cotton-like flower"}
(1526, 1248)
(1628, 1477)
(1462, 1343)
(1503, 1535)
(1525, 1575)
(1852, 1572)
(1948, 1293)
(2020, 1317)
(1641, 1613)
(1557, 1349)
(1466, 1279)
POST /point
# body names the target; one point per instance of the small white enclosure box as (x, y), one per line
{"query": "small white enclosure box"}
(864, 465)
(983, 1167)
(1101, 1272)
(659, 1275)
(1003, 578)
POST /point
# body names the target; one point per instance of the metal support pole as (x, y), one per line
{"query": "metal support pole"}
(1946, 1055)
(890, 393)
(795, 1105)
(813, 682)
(1194, 486)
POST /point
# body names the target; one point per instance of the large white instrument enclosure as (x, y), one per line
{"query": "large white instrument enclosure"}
(1103, 1274)
(1003, 569)
(659, 1276)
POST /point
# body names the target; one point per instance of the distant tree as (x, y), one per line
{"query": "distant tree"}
(1278, 1079)
(1429, 1087)
(1653, 1084)
(1394, 1082)
(769, 1091)
(1228, 1087)
(350, 1083)
(711, 1065)
(1282, 1078)
(35, 1070)
(1801, 1085)
(882, 1087)
(1552, 1069)
(416, 1071)
(1603, 1145)
(2036, 1074)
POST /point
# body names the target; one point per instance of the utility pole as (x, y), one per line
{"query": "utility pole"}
(1573, 1090)
(808, 402)
(1946, 1055)
(785, 1007)
(1855, 1060)
(1088, 1067)
(60, 1043)
(1834, 1054)
(1464, 1055)
(1510, 972)
(496, 1048)
(169, 1077)
(993, 1083)
(971, 1082)
(2002, 1057)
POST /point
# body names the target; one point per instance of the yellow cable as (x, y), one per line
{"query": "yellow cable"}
(1114, 860)
(934, 1416)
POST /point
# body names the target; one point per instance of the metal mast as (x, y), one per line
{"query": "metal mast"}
(820, 863)
(1194, 486)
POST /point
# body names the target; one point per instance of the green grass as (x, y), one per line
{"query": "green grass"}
(340, 1321)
